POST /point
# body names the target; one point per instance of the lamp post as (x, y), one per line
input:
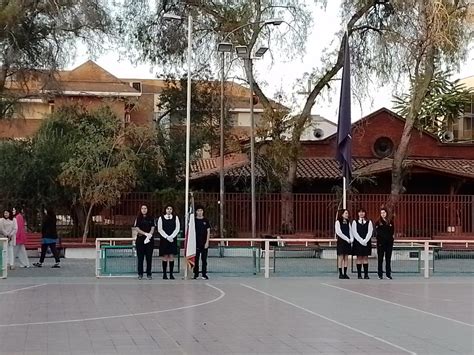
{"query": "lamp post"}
(245, 53)
(226, 47)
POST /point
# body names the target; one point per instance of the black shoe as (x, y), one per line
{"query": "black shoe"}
(56, 266)
(359, 277)
(195, 277)
(149, 277)
(140, 277)
(341, 277)
(389, 277)
(204, 277)
(366, 277)
(380, 277)
(38, 264)
(171, 277)
(346, 277)
(165, 277)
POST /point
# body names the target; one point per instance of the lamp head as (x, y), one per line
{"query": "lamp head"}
(274, 21)
(224, 47)
(242, 51)
(261, 51)
(168, 16)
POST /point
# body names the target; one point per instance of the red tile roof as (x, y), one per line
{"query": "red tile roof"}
(456, 167)
(308, 168)
(327, 168)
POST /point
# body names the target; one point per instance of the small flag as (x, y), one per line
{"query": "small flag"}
(190, 239)
(344, 138)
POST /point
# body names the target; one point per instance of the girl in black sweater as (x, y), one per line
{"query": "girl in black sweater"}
(145, 226)
(384, 229)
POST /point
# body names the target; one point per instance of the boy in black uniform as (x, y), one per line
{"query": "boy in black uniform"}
(203, 233)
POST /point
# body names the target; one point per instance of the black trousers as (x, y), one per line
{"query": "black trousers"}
(54, 250)
(201, 253)
(144, 251)
(384, 248)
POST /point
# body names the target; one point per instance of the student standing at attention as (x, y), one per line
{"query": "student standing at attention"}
(362, 230)
(203, 233)
(168, 227)
(344, 241)
(145, 226)
(385, 230)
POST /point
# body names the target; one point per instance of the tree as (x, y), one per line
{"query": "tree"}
(38, 36)
(103, 165)
(443, 105)
(205, 115)
(436, 33)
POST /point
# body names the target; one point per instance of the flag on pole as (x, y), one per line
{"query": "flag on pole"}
(190, 239)
(344, 138)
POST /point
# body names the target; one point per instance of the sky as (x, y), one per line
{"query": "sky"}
(280, 75)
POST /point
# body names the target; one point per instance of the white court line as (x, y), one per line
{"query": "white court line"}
(412, 294)
(222, 294)
(21, 289)
(400, 305)
(331, 320)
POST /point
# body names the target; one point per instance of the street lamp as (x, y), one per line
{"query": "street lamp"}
(226, 47)
(244, 53)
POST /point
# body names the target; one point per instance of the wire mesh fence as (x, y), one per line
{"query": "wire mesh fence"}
(453, 260)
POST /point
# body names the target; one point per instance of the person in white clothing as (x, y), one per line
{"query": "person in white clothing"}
(168, 228)
(344, 241)
(8, 228)
(362, 230)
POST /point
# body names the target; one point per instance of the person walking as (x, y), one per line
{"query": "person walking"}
(362, 230)
(144, 226)
(8, 230)
(384, 231)
(20, 250)
(168, 228)
(203, 233)
(49, 237)
(344, 241)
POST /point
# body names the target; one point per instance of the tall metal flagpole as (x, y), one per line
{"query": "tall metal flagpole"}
(221, 175)
(188, 133)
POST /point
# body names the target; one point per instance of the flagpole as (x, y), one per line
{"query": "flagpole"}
(344, 193)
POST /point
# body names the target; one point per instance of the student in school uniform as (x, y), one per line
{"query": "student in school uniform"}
(203, 233)
(362, 230)
(168, 228)
(144, 226)
(344, 241)
(384, 231)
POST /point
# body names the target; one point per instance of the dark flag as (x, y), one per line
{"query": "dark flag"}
(344, 138)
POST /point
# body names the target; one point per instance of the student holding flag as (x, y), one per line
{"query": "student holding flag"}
(203, 233)
(168, 228)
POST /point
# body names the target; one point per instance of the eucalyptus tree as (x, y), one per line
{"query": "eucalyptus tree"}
(38, 37)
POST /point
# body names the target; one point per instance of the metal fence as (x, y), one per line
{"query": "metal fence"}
(416, 216)
(312, 257)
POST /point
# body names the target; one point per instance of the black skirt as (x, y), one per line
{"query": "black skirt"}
(343, 247)
(361, 250)
(167, 247)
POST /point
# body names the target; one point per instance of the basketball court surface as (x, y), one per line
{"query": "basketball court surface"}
(52, 312)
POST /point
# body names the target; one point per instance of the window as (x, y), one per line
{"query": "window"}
(383, 147)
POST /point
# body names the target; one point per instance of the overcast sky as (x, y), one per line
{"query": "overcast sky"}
(281, 75)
